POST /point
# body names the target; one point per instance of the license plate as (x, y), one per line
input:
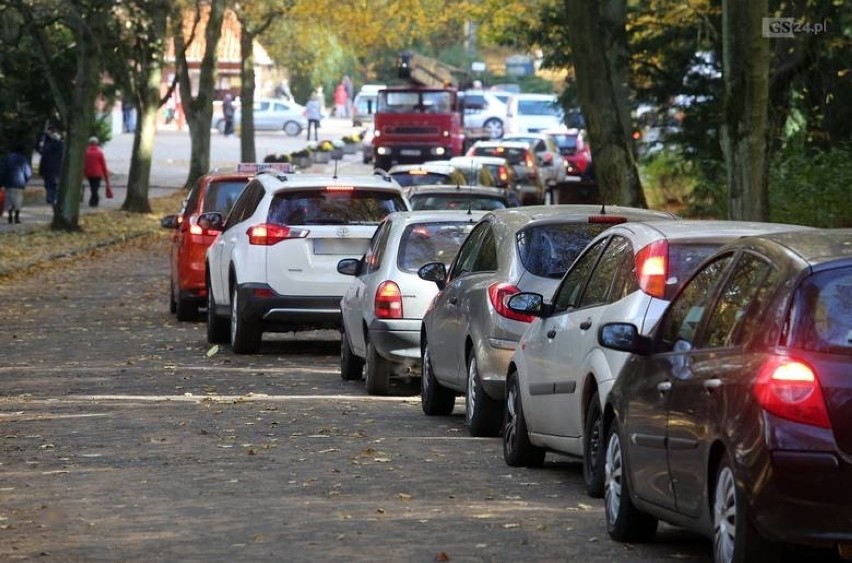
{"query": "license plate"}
(409, 152)
(341, 247)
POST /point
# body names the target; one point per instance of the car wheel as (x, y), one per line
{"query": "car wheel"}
(483, 414)
(593, 449)
(172, 301)
(292, 128)
(351, 366)
(624, 522)
(217, 327)
(186, 310)
(517, 449)
(245, 339)
(735, 539)
(378, 371)
(434, 397)
(494, 128)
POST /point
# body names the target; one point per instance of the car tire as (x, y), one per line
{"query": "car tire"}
(518, 451)
(186, 310)
(494, 128)
(351, 366)
(172, 301)
(377, 376)
(435, 399)
(482, 413)
(735, 538)
(593, 449)
(217, 327)
(624, 522)
(292, 129)
(245, 339)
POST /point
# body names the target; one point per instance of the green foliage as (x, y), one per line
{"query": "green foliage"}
(668, 178)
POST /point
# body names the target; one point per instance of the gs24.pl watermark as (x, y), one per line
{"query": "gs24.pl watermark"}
(790, 27)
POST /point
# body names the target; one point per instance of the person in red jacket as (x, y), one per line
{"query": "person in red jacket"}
(95, 169)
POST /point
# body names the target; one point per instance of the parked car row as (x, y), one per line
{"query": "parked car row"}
(700, 370)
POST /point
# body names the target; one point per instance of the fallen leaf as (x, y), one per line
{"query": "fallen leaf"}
(442, 557)
(404, 497)
(511, 525)
(213, 351)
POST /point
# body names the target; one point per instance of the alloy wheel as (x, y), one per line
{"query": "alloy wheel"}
(471, 396)
(510, 431)
(724, 516)
(614, 475)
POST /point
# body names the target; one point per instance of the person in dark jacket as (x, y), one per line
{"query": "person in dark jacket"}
(15, 172)
(51, 148)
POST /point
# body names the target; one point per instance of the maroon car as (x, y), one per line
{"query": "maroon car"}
(734, 418)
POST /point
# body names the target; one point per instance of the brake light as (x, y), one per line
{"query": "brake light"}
(790, 389)
(499, 293)
(503, 174)
(607, 219)
(268, 234)
(339, 188)
(529, 160)
(652, 268)
(195, 230)
(388, 301)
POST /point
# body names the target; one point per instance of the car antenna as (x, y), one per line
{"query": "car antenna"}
(470, 190)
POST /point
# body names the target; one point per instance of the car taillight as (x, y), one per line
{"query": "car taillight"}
(388, 301)
(268, 234)
(529, 160)
(503, 174)
(790, 389)
(652, 268)
(499, 293)
(607, 219)
(195, 230)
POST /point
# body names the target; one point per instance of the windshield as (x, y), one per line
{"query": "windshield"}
(391, 101)
(514, 155)
(333, 207)
(539, 107)
(456, 201)
(567, 143)
(420, 178)
(549, 250)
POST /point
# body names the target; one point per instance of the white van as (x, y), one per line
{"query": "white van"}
(532, 113)
(364, 104)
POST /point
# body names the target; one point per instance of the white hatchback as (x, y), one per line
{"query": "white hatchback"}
(273, 267)
(532, 113)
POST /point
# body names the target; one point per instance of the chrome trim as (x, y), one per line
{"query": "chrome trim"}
(279, 311)
(502, 344)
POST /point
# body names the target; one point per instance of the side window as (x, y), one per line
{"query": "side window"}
(617, 252)
(486, 258)
(572, 285)
(246, 204)
(468, 251)
(624, 281)
(677, 329)
(742, 298)
(540, 146)
(191, 201)
(375, 253)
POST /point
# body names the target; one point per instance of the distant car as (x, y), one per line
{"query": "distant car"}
(469, 333)
(484, 114)
(628, 273)
(422, 174)
(367, 145)
(458, 197)
(732, 418)
(271, 115)
(532, 113)
(216, 191)
(273, 268)
(488, 170)
(364, 104)
(575, 151)
(384, 305)
(551, 165)
(523, 160)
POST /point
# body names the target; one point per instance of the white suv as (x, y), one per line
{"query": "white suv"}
(273, 267)
(484, 114)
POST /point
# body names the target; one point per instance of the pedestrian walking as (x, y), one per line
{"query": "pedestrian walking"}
(313, 112)
(15, 172)
(95, 170)
(128, 116)
(350, 95)
(228, 113)
(341, 101)
(51, 148)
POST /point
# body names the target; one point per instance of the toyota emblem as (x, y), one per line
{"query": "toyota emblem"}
(343, 231)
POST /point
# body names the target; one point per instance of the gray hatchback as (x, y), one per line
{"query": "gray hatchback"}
(469, 333)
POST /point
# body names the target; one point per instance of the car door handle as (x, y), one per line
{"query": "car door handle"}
(664, 386)
(551, 333)
(586, 325)
(452, 300)
(711, 384)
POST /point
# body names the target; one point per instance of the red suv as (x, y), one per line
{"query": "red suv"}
(217, 192)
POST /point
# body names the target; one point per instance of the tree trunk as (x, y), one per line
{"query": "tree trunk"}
(199, 109)
(744, 131)
(598, 39)
(247, 147)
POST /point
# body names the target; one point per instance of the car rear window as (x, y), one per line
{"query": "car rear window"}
(431, 242)
(567, 143)
(512, 154)
(538, 107)
(456, 201)
(333, 207)
(420, 179)
(549, 250)
(221, 196)
(823, 310)
(684, 259)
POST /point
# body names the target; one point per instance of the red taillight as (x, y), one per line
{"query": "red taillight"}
(529, 160)
(607, 219)
(195, 230)
(268, 234)
(388, 301)
(503, 174)
(499, 293)
(790, 389)
(652, 268)
(548, 158)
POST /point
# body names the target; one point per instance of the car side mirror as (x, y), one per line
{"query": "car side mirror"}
(529, 304)
(624, 337)
(211, 221)
(349, 267)
(434, 272)
(170, 222)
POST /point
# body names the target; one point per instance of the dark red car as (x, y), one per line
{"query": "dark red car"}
(216, 191)
(734, 418)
